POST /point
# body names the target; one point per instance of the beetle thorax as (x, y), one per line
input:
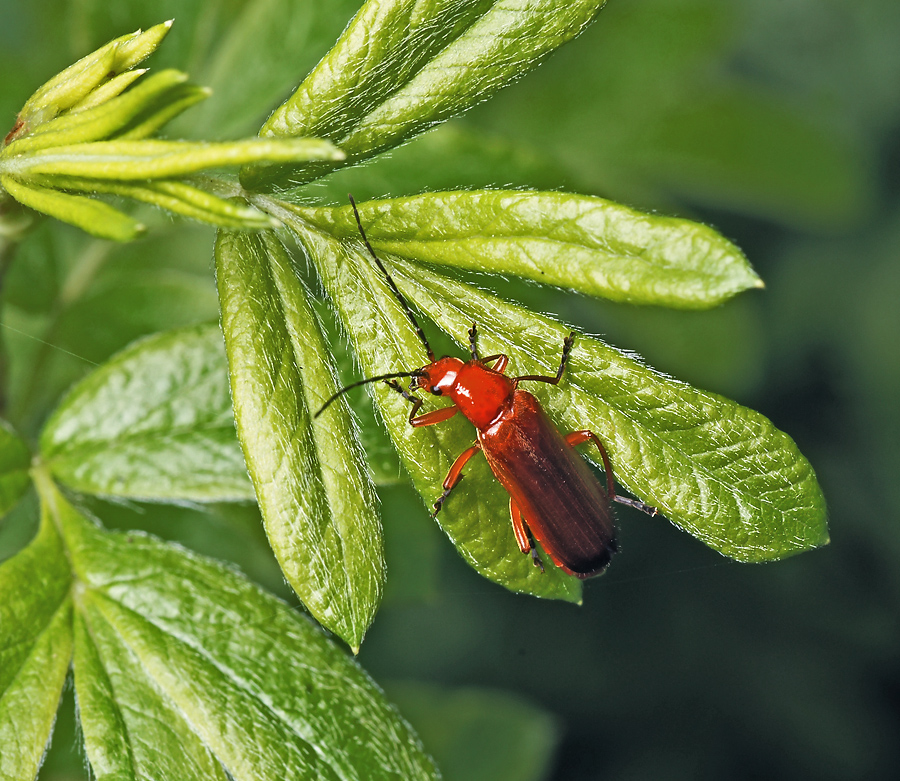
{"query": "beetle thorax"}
(481, 394)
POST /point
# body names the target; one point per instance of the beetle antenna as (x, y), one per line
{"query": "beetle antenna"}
(352, 385)
(403, 302)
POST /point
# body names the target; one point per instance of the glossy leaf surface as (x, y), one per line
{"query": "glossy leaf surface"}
(35, 650)
(477, 520)
(154, 422)
(720, 471)
(314, 489)
(131, 730)
(184, 667)
(402, 66)
(587, 244)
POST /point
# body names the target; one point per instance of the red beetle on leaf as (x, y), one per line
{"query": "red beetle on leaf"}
(553, 494)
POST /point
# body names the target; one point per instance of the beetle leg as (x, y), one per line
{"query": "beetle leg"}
(414, 400)
(455, 474)
(473, 341)
(576, 438)
(435, 416)
(428, 418)
(523, 535)
(567, 348)
(501, 359)
(637, 504)
(523, 538)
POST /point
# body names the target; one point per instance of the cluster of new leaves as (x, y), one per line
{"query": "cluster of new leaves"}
(175, 656)
(87, 131)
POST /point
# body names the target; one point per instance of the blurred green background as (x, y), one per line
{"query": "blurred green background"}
(777, 121)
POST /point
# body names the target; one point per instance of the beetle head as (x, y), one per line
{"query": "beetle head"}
(438, 377)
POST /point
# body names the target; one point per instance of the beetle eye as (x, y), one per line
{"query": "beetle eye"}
(436, 391)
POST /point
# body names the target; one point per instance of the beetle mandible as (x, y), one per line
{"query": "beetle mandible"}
(554, 496)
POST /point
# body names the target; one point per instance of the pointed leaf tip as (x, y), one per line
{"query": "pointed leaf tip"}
(312, 482)
(580, 242)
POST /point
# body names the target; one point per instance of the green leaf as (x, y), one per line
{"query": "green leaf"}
(75, 83)
(313, 486)
(92, 216)
(718, 470)
(477, 519)
(68, 87)
(111, 89)
(131, 729)
(29, 704)
(176, 197)
(380, 452)
(103, 121)
(15, 460)
(587, 244)
(161, 159)
(137, 47)
(178, 656)
(35, 650)
(479, 734)
(154, 423)
(399, 69)
(175, 103)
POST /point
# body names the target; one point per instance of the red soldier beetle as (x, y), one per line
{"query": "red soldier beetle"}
(555, 497)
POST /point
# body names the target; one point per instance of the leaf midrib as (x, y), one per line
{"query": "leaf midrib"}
(225, 672)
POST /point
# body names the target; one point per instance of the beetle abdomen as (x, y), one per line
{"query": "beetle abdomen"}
(564, 505)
